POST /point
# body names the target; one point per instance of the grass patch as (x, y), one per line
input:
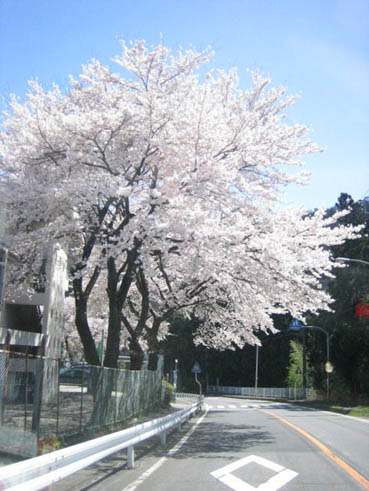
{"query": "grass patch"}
(360, 411)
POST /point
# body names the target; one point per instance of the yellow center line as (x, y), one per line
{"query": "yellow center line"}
(354, 474)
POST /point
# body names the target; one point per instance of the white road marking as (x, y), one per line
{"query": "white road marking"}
(172, 451)
(233, 406)
(282, 477)
(234, 482)
(344, 416)
(277, 481)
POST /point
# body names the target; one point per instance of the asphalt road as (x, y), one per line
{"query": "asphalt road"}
(243, 445)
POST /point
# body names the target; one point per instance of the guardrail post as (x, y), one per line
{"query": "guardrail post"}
(163, 438)
(131, 457)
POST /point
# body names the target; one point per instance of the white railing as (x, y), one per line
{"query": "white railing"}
(39, 472)
(186, 396)
(262, 392)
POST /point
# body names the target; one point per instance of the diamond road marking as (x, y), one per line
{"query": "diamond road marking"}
(282, 476)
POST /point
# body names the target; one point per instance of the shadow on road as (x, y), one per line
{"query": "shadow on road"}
(212, 439)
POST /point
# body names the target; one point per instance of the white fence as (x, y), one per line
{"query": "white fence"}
(263, 392)
(187, 397)
(40, 472)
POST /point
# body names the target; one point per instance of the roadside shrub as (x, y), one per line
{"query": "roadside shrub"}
(168, 392)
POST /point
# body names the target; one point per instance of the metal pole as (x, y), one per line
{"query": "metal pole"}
(102, 348)
(256, 369)
(26, 393)
(199, 384)
(304, 362)
(81, 401)
(328, 361)
(175, 378)
(58, 400)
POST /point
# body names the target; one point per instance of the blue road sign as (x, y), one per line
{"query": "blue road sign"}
(295, 325)
(196, 367)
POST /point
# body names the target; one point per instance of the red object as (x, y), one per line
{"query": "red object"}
(362, 310)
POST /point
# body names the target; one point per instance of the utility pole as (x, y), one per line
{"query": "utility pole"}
(256, 369)
(304, 360)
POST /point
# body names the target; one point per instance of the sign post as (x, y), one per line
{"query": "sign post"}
(195, 370)
(298, 372)
(296, 325)
(175, 377)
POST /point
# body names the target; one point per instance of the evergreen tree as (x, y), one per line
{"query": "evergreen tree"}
(349, 333)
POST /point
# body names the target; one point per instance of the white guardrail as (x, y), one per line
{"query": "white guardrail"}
(39, 472)
(263, 392)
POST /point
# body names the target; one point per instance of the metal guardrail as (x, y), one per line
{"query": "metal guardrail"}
(37, 473)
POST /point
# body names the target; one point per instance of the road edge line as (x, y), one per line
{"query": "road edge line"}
(352, 472)
(172, 451)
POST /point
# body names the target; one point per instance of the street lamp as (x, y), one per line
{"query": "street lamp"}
(175, 375)
(296, 325)
(349, 260)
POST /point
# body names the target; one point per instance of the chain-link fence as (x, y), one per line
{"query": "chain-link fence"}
(40, 401)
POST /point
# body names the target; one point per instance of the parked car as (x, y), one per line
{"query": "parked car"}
(74, 375)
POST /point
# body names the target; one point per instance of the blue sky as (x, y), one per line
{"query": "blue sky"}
(319, 48)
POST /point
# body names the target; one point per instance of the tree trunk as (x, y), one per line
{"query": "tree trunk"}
(113, 339)
(82, 325)
(153, 361)
(117, 289)
(137, 354)
(153, 343)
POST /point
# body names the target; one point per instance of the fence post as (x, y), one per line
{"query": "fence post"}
(6, 374)
(26, 393)
(102, 395)
(163, 438)
(116, 374)
(37, 401)
(131, 457)
(58, 400)
(81, 404)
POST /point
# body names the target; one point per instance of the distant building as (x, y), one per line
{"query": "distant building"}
(33, 323)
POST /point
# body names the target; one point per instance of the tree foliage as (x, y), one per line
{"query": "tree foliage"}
(163, 181)
(349, 333)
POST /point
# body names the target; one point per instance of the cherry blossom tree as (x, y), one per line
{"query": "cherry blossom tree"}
(164, 180)
(275, 268)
